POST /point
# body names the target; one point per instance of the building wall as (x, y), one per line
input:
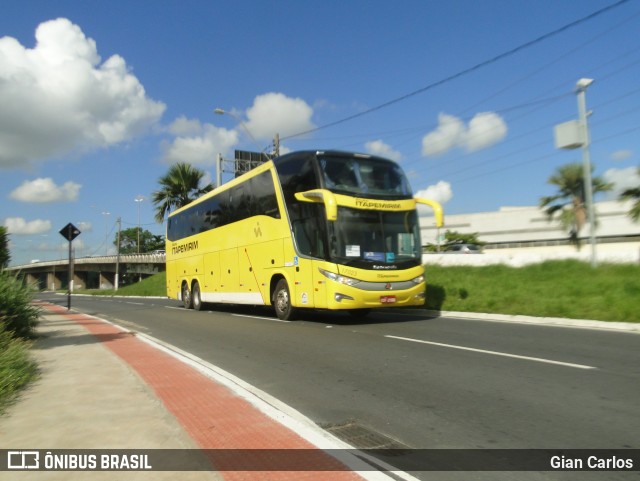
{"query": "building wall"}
(525, 232)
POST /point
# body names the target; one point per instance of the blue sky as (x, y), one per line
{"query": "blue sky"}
(97, 99)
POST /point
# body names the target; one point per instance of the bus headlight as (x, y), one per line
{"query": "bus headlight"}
(418, 280)
(347, 281)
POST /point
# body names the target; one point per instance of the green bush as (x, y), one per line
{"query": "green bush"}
(17, 314)
(18, 318)
(16, 368)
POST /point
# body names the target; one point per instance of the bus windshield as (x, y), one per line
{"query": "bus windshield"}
(376, 239)
(364, 177)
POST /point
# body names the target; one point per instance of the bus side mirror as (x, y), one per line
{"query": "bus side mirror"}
(321, 196)
(437, 210)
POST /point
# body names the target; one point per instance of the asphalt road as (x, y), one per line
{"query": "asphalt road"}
(425, 382)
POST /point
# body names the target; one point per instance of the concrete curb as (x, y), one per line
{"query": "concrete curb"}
(543, 321)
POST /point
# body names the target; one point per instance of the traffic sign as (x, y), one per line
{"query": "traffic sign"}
(70, 232)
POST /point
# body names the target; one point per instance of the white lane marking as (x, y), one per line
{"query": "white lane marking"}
(173, 307)
(259, 317)
(495, 353)
(135, 303)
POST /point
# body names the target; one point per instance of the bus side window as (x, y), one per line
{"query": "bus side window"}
(263, 196)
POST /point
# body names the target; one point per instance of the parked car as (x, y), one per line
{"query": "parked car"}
(463, 249)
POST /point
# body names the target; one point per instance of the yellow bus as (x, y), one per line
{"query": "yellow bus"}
(320, 230)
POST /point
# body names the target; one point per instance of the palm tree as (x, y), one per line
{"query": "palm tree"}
(569, 202)
(178, 187)
(633, 194)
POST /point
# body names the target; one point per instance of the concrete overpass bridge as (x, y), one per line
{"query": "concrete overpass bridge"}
(96, 272)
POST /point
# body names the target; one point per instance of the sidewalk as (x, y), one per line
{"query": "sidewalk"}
(103, 388)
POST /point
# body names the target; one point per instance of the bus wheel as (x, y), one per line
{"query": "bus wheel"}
(196, 299)
(187, 301)
(282, 301)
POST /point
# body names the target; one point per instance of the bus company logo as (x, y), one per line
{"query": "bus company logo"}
(22, 460)
(370, 204)
(186, 247)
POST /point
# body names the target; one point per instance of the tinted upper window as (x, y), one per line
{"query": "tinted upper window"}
(256, 196)
(372, 177)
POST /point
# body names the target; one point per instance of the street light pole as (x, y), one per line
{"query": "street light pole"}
(106, 235)
(219, 111)
(581, 87)
(138, 200)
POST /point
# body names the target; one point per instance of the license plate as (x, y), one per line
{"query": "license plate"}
(387, 299)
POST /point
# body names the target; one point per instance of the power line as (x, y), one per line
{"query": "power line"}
(466, 71)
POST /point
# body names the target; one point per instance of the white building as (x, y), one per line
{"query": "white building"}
(519, 235)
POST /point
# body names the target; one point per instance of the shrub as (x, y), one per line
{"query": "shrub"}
(17, 314)
(16, 368)
(18, 318)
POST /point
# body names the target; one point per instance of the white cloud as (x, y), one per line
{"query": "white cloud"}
(198, 144)
(19, 226)
(446, 136)
(440, 192)
(84, 226)
(275, 113)
(44, 190)
(622, 179)
(484, 130)
(185, 126)
(378, 147)
(58, 98)
(620, 155)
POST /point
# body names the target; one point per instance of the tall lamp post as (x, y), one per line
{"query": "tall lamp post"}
(106, 235)
(138, 200)
(276, 138)
(581, 87)
(574, 134)
(219, 111)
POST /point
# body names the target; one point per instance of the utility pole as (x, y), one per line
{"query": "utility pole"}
(276, 145)
(586, 164)
(219, 170)
(574, 134)
(118, 254)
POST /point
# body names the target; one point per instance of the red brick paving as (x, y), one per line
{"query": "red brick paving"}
(210, 413)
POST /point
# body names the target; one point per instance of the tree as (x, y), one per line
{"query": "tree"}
(178, 187)
(5, 257)
(569, 203)
(129, 241)
(634, 195)
(452, 237)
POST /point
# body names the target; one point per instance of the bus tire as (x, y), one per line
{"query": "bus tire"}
(187, 301)
(196, 297)
(282, 301)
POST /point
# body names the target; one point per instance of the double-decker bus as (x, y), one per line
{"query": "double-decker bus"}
(322, 230)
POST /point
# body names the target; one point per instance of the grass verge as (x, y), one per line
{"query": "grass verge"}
(570, 289)
(155, 285)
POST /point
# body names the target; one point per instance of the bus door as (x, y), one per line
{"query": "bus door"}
(249, 267)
